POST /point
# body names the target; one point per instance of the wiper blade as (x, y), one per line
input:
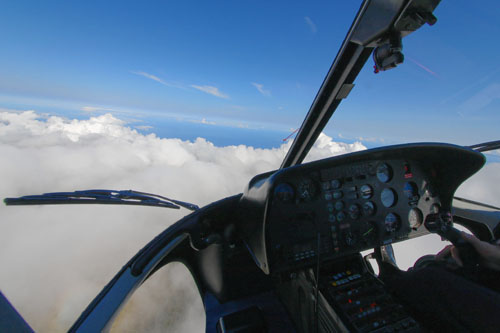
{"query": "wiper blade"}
(106, 197)
(486, 146)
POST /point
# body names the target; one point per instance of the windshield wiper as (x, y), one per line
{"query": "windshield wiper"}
(106, 197)
(486, 146)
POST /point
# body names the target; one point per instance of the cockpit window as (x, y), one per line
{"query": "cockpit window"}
(167, 301)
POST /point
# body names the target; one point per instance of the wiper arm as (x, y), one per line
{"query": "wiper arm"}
(184, 204)
(106, 197)
(486, 146)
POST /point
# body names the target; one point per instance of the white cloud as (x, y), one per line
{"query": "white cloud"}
(206, 88)
(325, 147)
(149, 76)
(206, 122)
(157, 79)
(66, 254)
(484, 186)
(12, 110)
(202, 121)
(91, 109)
(481, 99)
(144, 127)
(463, 91)
(238, 107)
(311, 24)
(211, 90)
(369, 139)
(260, 88)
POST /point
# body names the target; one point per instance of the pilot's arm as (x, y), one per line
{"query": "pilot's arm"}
(443, 300)
(489, 253)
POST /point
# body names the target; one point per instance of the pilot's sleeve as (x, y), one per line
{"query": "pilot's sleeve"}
(444, 301)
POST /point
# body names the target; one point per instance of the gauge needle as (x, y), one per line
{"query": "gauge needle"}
(366, 233)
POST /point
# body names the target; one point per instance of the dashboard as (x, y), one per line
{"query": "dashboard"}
(318, 211)
(346, 209)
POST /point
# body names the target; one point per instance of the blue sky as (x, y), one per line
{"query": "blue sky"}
(242, 64)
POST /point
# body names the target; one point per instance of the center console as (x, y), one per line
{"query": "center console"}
(350, 299)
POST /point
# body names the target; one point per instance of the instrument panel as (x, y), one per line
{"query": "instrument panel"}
(298, 216)
(346, 209)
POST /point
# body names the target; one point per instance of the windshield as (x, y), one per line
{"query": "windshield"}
(190, 101)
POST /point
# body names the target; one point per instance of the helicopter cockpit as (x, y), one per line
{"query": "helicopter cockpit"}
(286, 254)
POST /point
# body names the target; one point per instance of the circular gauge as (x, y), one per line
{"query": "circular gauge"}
(415, 218)
(388, 197)
(284, 192)
(349, 238)
(354, 211)
(325, 186)
(384, 172)
(337, 195)
(369, 208)
(392, 222)
(306, 189)
(435, 208)
(336, 183)
(410, 190)
(339, 205)
(340, 216)
(366, 191)
(329, 206)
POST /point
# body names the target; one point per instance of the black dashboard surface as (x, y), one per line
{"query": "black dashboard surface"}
(349, 203)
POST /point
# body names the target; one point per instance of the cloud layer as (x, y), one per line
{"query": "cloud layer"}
(211, 91)
(260, 88)
(55, 259)
(311, 24)
(152, 77)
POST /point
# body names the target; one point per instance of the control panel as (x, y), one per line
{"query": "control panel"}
(346, 209)
(360, 301)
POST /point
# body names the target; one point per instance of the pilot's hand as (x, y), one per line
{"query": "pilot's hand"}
(446, 253)
(489, 253)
